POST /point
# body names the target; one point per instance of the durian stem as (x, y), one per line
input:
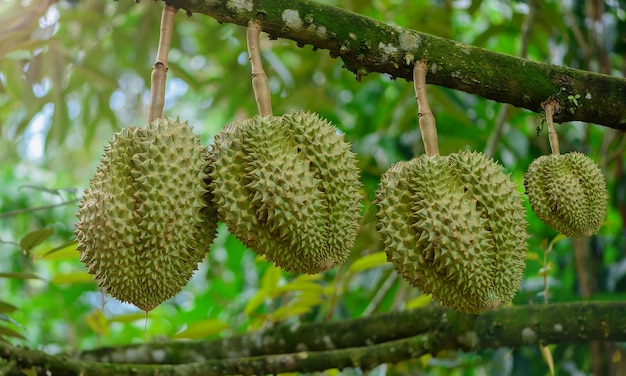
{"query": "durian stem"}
(159, 70)
(260, 85)
(426, 118)
(551, 106)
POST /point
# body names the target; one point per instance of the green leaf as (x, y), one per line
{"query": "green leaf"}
(7, 308)
(34, 238)
(545, 270)
(285, 312)
(271, 278)
(202, 329)
(97, 322)
(420, 301)
(4, 331)
(18, 55)
(32, 371)
(299, 286)
(307, 277)
(19, 275)
(8, 319)
(533, 256)
(368, 262)
(546, 354)
(74, 277)
(128, 318)
(269, 289)
(558, 238)
(42, 189)
(65, 251)
(256, 301)
(309, 300)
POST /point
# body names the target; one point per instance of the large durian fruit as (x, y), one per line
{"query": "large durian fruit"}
(146, 221)
(454, 226)
(568, 192)
(288, 188)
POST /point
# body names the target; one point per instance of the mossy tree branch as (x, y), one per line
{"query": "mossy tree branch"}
(367, 45)
(363, 342)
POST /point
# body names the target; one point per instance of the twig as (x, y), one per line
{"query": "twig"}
(426, 118)
(332, 300)
(583, 266)
(29, 210)
(10, 242)
(260, 84)
(496, 133)
(551, 106)
(159, 70)
(380, 294)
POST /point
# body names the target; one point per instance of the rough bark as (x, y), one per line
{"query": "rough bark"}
(364, 342)
(367, 45)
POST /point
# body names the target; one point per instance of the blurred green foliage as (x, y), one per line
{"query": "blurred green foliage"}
(74, 72)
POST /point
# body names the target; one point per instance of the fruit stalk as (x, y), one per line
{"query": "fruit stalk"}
(426, 118)
(551, 106)
(159, 70)
(260, 84)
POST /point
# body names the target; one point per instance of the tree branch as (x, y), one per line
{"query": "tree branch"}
(367, 45)
(363, 342)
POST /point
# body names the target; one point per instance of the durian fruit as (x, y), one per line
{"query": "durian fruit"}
(288, 188)
(455, 227)
(146, 221)
(568, 192)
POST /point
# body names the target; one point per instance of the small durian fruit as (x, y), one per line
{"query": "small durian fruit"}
(454, 226)
(146, 220)
(288, 188)
(568, 192)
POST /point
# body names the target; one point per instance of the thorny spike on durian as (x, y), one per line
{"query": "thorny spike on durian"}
(288, 188)
(146, 221)
(454, 226)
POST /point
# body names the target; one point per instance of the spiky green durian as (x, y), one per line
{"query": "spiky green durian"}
(288, 188)
(145, 221)
(454, 226)
(568, 192)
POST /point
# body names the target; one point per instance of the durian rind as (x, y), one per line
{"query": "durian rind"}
(455, 227)
(568, 192)
(146, 220)
(288, 188)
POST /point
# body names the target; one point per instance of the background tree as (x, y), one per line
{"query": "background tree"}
(73, 72)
